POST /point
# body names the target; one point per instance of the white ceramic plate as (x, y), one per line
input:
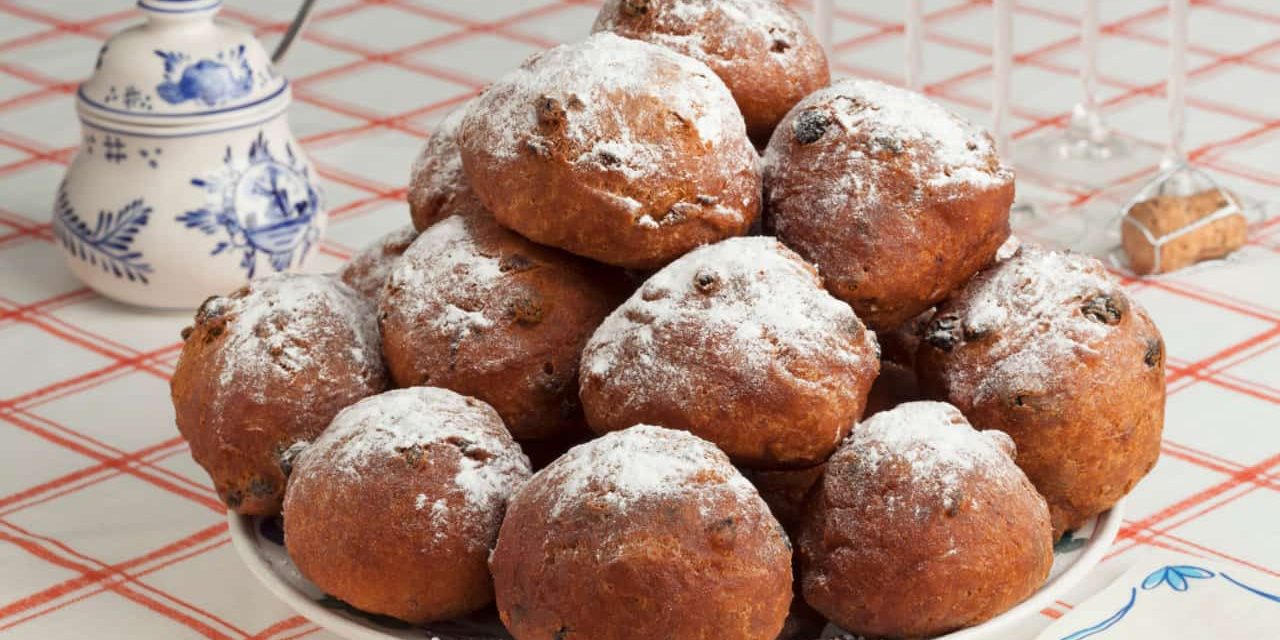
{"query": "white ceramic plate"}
(259, 542)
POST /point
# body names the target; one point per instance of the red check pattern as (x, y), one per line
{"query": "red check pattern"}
(107, 529)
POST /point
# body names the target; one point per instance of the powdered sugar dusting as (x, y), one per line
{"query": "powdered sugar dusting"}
(1033, 305)
(399, 422)
(959, 148)
(632, 160)
(444, 259)
(275, 327)
(368, 270)
(934, 444)
(600, 83)
(682, 25)
(1010, 247)
(437, 170)
(876, 126)
(750, 299)
(644, 462)
(442, 146)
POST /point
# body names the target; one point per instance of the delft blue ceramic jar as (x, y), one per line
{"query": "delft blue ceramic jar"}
(188, 181)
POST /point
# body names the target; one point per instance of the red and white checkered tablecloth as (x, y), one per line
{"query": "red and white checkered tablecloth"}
(109, 530)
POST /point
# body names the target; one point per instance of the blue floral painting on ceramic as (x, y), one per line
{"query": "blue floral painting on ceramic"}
(261, 206)
(210, 81)
(108, 243)
(1179, 578)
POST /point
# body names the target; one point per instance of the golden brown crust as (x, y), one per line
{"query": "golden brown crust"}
(897, 201)
(761, 49)
(1073, 370)
(437, 185)
(367, 271)
(266, 367)
(656, 539)
(613, 149)
(394, 509)
(738, 343)
(915, 533)
(480, 310)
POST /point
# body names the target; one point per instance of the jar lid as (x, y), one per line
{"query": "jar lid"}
(179, 66)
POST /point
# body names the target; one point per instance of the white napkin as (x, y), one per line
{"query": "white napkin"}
(1166, 596)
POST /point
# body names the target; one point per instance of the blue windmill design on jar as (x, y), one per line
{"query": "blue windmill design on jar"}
(260, 205)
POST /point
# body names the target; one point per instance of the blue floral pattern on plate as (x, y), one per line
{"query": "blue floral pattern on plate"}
(1176, 577)
(1179, 578)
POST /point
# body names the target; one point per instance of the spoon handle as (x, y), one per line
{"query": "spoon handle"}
(295, 28)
